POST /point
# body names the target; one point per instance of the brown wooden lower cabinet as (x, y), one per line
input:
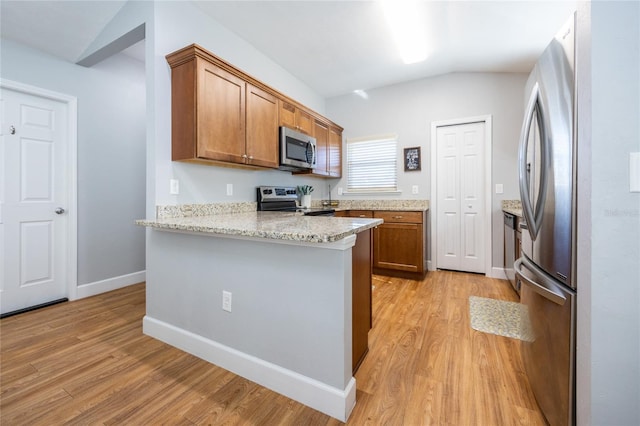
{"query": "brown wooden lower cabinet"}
(399, 245)
(399, 241)
(361, 298)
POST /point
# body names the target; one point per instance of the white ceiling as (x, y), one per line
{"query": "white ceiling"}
(335, 47)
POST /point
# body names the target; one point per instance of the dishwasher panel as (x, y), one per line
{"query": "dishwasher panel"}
(510, 249)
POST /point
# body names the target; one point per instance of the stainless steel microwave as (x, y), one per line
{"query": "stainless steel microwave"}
(297, 150)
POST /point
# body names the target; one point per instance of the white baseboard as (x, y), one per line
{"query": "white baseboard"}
(337, 403)
(497, 273)
(98, 287)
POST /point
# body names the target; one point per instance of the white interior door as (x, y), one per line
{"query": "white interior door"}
(34, 200)
(460, 197)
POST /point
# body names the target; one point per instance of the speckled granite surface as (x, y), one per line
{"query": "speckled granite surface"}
(395, 205)
(190, 210)
(268, 225)
(512, 206)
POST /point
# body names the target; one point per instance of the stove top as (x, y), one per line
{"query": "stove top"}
(284, 199)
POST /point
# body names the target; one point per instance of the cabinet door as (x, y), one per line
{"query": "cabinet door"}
(304, 121)
(295, 118)
(398, 246)
(262, 128)
(287, 114)
(220, 114)
(321, 131)
(361, 298)
(335, 152)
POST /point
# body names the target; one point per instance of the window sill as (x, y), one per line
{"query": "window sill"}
(371, 192)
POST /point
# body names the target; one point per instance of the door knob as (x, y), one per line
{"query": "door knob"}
(59, 210)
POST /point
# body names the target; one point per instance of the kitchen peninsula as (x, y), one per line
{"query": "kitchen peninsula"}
(287, 282)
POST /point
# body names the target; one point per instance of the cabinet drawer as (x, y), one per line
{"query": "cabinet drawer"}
(399, 216)
(361, 213)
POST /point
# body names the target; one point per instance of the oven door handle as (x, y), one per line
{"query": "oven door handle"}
(538, 283)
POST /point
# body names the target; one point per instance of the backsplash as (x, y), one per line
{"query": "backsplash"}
(377, 204)
(190, 210)
(511, 204)
(210, 209)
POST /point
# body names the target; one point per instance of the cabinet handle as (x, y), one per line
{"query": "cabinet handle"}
(397, 217)
(244, 155)
(362, 215)
(251, 157)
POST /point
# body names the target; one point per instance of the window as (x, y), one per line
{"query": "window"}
(372, 164)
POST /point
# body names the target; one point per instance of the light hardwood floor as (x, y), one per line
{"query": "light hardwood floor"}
(87, 362)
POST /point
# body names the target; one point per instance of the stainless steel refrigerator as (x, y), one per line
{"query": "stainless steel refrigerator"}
(546, 270)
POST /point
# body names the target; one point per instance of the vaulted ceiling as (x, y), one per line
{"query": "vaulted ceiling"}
(335, 47)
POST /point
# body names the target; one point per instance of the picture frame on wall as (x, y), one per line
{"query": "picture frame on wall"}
(412, 159)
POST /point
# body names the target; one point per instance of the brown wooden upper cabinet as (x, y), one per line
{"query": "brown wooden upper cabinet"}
(296, 118)
(217, 116)
(335, 152)
(329, 150)
(321, 133)
(221, 115)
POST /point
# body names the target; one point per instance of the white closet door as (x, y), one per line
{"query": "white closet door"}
(460, 197)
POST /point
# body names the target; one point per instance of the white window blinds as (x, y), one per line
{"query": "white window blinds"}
(371, 164)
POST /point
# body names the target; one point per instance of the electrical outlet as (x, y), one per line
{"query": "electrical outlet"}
(414, 189)
(174, 186)
(499, 188)
(634, 172)
(226, 300)
(339, 191)
(229, 189)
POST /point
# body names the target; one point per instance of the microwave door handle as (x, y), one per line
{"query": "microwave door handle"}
(313, 155)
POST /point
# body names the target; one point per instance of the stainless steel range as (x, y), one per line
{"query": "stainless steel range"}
(285, 199)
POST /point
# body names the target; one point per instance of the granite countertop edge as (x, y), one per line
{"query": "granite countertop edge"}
(512, 206)
(267, 225)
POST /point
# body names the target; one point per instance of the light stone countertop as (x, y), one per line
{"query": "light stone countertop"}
(391, 205)
(512, 206)
(268, 225)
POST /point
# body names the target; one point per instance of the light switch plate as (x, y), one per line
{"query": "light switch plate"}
(174, 186)
(226, 300)
(229, 189)
(634, 172)
(339, 191)
(499, 188)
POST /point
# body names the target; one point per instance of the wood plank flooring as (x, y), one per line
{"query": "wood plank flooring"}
(87, 362)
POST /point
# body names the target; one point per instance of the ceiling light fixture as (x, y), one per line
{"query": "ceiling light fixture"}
(403, 19)
(361, 93)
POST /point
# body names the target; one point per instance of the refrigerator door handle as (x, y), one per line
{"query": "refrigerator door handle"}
(538, 283)
(533, 218)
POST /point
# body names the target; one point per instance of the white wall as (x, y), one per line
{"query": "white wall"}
(111, 146)
(176, 25)
(408, 110)
(608, 354)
